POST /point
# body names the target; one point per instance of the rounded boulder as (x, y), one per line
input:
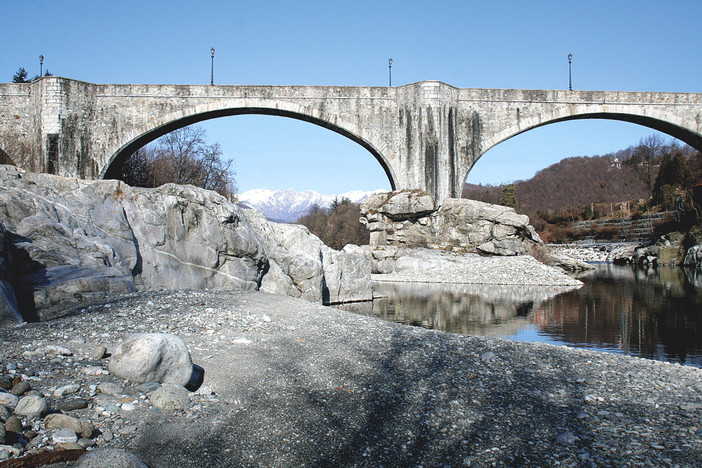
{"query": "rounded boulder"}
(152, 357)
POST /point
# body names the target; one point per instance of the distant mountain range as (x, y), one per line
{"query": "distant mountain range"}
(287, 206)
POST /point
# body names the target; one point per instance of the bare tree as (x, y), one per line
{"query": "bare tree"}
(182, 157)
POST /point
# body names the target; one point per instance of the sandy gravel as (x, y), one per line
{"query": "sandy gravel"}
(298, 384)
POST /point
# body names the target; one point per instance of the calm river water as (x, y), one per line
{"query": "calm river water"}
(654, 314)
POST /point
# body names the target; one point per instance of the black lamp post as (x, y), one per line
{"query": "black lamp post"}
(570, 81)
(41, 65)
(212, 69)
(390, 72)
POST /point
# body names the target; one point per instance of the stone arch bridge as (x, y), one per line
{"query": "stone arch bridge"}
(425, 135)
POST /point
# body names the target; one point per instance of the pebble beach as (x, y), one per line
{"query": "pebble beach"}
(291, 383)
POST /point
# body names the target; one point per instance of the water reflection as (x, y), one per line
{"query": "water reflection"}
(655, 314)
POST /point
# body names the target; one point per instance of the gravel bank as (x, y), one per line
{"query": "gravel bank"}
(522, 270)
(297, 384)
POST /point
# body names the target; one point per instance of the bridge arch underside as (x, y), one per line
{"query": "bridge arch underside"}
(681, 133)
(125, 151)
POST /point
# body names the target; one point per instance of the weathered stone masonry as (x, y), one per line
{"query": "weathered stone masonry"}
(425, 135)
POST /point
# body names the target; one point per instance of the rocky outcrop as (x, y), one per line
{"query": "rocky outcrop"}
(668, 250)
(410, 219)
(300, 265)
(66, 243)
(8, 301)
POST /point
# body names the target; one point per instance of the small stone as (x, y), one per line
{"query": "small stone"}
(107, 435)
(86, 443)
(241, 341)
(99, 352)
(13, 424)
(5, 384)
(4, 413)
(149, 387)
(566, 439)
(169, 396)
(64, 436)
(59, 350)
(2, 434)
(31, 404)
(29, 435)
(488, 356)
(110, 408)
(21, 388)
(62, 421)
(128, 407)
(205, 390)
(102, 457)
(94, 370)
(72, 404)
(110, 388)
(70, 446)
(66, 390)
(8, 399)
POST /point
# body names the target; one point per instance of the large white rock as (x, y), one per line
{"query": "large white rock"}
(302, 266)
(80, 241)
(152, 357)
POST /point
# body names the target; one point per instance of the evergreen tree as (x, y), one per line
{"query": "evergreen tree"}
(508, 196)
(20, 76)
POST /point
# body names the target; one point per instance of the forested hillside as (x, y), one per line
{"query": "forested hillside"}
(643, 178)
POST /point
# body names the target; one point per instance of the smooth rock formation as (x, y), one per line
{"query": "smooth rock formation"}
(75, 241)
(409, 219)
(301, 265)
(152, 357)
(62, 421)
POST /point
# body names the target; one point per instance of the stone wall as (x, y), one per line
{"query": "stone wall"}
(630, 229)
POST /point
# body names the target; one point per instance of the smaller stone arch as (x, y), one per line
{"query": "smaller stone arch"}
(139, 138)
(669, 125)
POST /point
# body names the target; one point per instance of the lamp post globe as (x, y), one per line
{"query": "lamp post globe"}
(41, 65)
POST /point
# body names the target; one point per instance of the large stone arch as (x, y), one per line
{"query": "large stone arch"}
(146, 134)
(664, 122)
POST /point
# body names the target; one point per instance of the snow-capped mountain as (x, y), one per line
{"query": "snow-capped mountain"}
(289, 205)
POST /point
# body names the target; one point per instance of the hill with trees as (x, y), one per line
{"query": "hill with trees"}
(646, 177)
(338, 225)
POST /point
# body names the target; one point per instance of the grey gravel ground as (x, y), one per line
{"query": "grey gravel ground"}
(298, 384)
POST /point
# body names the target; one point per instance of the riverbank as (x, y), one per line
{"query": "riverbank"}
(298, 384)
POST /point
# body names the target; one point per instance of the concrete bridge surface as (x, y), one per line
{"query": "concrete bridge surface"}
(425, 135)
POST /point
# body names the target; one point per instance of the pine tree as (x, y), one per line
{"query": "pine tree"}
(20, 76)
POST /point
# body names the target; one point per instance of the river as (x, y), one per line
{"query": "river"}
(655, 314)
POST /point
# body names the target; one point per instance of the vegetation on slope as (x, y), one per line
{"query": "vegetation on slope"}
(338, 225)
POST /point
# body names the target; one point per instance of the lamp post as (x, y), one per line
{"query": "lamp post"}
(390, 72)
(212, 69)
(570, 81)
(41, 65)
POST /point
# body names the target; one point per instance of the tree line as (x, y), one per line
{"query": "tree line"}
(337, 225)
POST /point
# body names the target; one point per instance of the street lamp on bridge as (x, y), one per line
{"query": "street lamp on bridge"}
(41, 65)
(212, 69)
(570, 82)
(390, 72)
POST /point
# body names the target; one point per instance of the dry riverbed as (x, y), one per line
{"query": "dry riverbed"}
(298, 384)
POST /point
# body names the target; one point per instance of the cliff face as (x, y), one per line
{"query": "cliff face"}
(67, 242)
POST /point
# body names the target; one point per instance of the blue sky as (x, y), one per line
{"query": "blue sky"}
(616, 45)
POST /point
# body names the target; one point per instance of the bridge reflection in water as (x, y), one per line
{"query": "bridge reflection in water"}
(654, 314)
